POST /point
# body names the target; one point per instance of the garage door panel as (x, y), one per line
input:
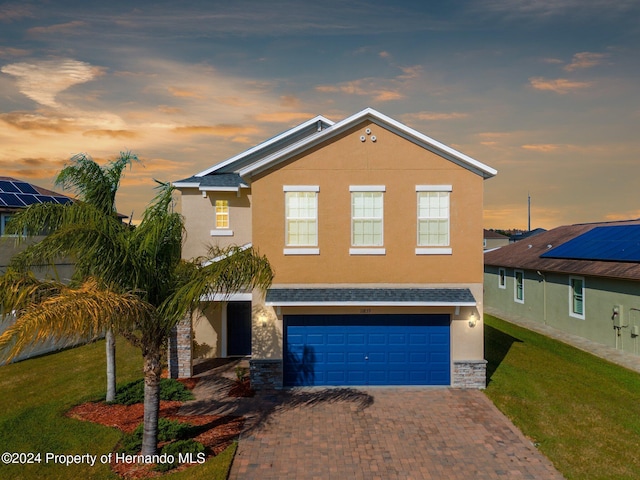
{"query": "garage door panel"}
(367, 350)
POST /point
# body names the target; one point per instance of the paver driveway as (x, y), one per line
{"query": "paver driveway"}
(387, 433)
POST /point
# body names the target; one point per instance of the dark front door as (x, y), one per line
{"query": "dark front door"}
(238, 328)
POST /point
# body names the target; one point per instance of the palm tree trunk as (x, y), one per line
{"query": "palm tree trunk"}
(111, 365)
(152, 372)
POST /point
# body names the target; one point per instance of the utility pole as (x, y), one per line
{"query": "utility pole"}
(529, 211)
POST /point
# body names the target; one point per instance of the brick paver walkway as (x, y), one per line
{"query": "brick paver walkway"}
(386, 433)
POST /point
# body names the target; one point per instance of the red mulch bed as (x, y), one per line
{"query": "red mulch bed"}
(222, 431)
(242, 389)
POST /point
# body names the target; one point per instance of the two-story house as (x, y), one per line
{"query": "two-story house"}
(374, 233)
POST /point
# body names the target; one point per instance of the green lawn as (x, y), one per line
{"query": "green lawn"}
(35, 393)
(583, 412)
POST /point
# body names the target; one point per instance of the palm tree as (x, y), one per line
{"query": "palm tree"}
(143, 268)
(95, 186)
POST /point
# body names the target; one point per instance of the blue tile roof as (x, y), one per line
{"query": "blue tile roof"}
(613, 243)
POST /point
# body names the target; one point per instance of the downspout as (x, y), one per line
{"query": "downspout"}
(544, 296)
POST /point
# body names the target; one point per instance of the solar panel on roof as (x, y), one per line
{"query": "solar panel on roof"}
(8, 187)
(45, 198)
(62, 200)
(26, 188)
(619, 243)
(11, 200)
(27, 199)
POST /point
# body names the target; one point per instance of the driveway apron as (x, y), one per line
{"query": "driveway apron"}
(387, 433)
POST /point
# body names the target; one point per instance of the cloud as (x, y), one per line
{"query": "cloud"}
(185, 93)
(585, 60)
(559, 85)
(542, 148)
(437, 116)
(627, 215)
(282, 117)
(364, 87)
(35, 122)
(43, 81)
(110, 134)
(222, 130)
(61, 28)
(10, 12)
(6, 52)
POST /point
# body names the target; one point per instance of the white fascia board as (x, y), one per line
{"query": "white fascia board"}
(264, 144)
(220, 257)
(406, 132)
(371, 304)
(185, 185)
(227, 297)
(218, 189)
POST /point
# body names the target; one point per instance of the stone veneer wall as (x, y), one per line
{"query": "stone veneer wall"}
(265, 374)
(180, 350)
(469, 374)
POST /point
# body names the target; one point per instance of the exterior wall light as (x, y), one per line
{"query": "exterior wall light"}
(472, 320)
(262, 318)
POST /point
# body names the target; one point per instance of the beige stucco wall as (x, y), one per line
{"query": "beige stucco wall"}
(397, 164)
(199, 214)
(207, 331)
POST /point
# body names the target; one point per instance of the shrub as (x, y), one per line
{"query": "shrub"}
(131, 443)
(170, 389)
(176, 448)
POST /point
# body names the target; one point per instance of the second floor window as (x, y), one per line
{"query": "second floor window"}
(518, 293)
(301, 218)
(366, 218)
(433, 218)
(222, 213)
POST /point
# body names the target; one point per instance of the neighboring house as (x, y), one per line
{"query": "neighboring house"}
(582, 279)
(493, 240)
(16, 195)
(373, 231)
(524, 235)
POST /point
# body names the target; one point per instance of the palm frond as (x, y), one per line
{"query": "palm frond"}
(82, 313)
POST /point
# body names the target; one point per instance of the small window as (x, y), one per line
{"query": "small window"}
(502, 278)
(4, 220)
(576, 297)
(518, 294)
(366, 219)
(222, 213)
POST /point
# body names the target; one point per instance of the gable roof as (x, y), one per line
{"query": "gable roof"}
(315, 131)
(536, 252)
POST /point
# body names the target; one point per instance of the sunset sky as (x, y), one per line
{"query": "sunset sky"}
(546, 92)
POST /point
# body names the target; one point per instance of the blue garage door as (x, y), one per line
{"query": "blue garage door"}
(367, 350)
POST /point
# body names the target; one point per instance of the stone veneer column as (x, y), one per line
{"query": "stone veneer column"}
(180, 353)
(266, 374)
(469, 374)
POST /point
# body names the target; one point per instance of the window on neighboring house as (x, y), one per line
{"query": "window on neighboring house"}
(367, 214)
(301, 217)
(222, 213)
(502, 278)
(576, 297)
(4, 220)
(433, 219)
(518, 294)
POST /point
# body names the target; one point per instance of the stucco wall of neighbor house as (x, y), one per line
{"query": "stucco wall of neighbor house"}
(547, 301)
(200, 218)
(207, 331)
(397, 164)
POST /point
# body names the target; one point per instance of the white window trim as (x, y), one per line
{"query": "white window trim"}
(504, 275)
(515, 286)
(434, 251)
(371, 249)
(302, 249)
(438, 250)
(571, 312)
(434, 188)
(367, 251)
(301, 188)
(221, 232)
(367, 188)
